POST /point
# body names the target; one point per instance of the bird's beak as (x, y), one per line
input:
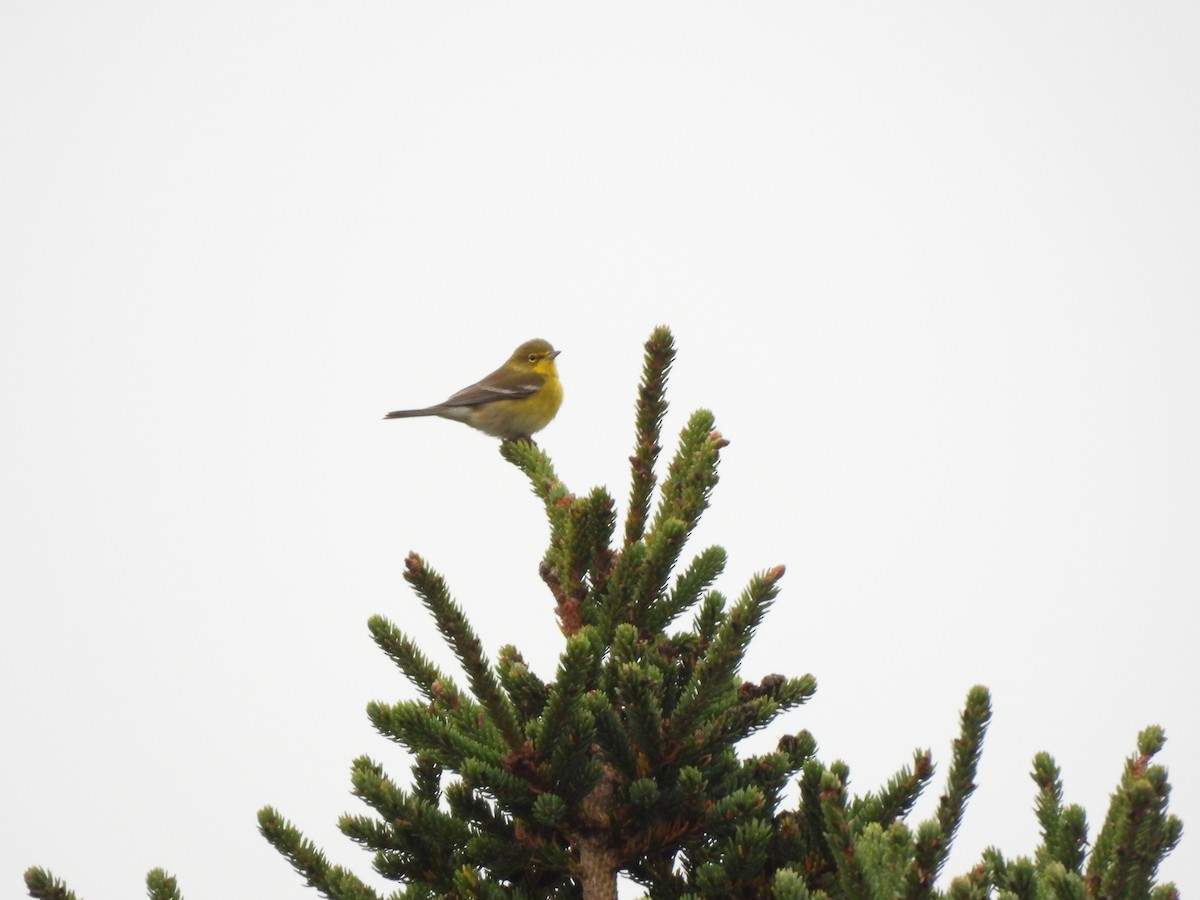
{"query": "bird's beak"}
(552, 354)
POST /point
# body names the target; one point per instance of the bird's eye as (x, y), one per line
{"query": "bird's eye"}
(533, 357)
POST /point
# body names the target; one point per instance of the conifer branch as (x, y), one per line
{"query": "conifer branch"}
(468, 804)
(897, 798)
(567, 607)
(625, 646)
(810, 819)
(527, 692)
(689, 586)
(663, 546)
(564, 733)
(377, 790)
(414, 840)
(514, 792)
(799, 749)
(692, 474)
(769, 773)
(651, 408)
(616, 606)
(926, 859)
(333, 882)
(433, 684)
(161, 886)
(838, 837)
(434, 732)
(884, 855)
(789, 884)
(711, 679)
(935, 837)
(754, 707)
(612, 737)
(1138, 833)
(41, 884)
(532, 460)
(738, 829)
(593, 522)
(744, 853)
(44, 886)
(574, 765)
(453, 625)
(638, 691)
(679, 654)
(580, 534)
(580, 557)
(1064, 829)
(976, 886)
(710, 616)
(427, 778)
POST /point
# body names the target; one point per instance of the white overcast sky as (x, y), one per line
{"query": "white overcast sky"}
(935, 267)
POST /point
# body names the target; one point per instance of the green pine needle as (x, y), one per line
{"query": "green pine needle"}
(453, 624)
(651, 408)
(310, 862)
(43, 885)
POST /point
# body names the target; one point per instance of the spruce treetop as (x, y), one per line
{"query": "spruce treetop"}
(626, 760)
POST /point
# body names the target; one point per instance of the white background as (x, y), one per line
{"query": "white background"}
(934, 266)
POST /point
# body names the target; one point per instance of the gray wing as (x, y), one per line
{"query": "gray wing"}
(482, 392)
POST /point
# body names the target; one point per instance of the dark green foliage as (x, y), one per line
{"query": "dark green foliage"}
(1137, 835)
(1064, 829)
(651, 407)
(331, 881)
(644, 718)
(467, 647)
(161, 886)
(626, 760)
(43, 885)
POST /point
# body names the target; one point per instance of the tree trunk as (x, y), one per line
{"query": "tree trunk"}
(597, 868)
(597, 854)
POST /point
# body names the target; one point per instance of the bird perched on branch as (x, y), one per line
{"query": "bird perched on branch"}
(519, 398)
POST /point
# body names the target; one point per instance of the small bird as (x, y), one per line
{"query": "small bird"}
(519, 398)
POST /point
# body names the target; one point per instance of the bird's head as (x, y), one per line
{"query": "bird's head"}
(534, 356)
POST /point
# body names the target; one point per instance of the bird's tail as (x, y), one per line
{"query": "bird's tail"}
(409, 413)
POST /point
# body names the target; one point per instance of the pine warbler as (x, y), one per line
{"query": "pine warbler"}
(516, 400)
